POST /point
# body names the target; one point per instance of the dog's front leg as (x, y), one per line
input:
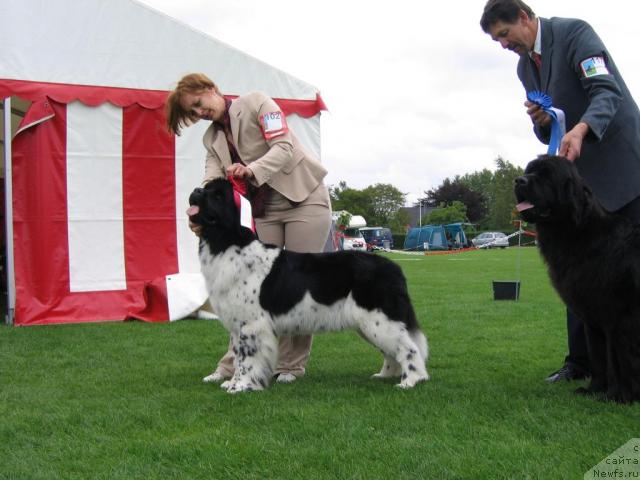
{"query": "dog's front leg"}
(256, 351)
(623, 373)
(226, 385)
(598, 359)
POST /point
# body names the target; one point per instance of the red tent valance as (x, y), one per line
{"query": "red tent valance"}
(123, 97)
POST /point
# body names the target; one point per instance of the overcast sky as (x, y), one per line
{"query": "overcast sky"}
(416, 91)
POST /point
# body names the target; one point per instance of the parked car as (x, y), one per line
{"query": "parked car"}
(496, 239)
(352, 239)
(377, 238)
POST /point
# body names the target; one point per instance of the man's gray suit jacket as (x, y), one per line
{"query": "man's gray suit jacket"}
(610, 156)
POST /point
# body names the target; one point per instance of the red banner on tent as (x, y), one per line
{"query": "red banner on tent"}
(125, 97)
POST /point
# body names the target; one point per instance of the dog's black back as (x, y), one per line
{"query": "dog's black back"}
(375, 283)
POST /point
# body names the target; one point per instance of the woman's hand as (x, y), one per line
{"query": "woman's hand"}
(239, 171)
(195, 228)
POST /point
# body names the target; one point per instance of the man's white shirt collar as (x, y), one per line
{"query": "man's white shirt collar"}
(537, 46)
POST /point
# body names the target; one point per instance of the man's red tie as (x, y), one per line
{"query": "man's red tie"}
(537, 59)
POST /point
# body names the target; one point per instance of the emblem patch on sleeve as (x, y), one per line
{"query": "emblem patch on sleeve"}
(593, 66)
(273, 124)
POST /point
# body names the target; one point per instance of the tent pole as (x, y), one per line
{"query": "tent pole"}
(8, 213)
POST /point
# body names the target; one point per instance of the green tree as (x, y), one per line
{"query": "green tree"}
(481, 181)
(385, 201)
(379, 204)
(497, 189)
(503, 201)
(456, 212)
(346, 198)
(456, 190)
(398, 222)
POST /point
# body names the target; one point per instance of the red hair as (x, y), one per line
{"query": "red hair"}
(176, 116)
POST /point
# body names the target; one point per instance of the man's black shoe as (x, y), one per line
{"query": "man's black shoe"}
(568, 373)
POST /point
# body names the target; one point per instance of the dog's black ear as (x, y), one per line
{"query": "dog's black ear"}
(578, 197)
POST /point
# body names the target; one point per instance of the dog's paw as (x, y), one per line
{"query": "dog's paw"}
(584, 391)
(215, 377)
(404, 386)
(618, 395)
(387, 373)
(286, 378)
(412, 381)
(226, 385)
(241, 387)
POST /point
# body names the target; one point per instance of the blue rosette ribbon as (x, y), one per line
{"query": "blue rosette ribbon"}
(558, 126)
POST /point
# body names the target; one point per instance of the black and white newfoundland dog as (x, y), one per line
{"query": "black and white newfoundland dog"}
(593, 258)
(261, 291)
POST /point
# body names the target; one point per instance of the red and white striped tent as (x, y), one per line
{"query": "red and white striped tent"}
(96, 189)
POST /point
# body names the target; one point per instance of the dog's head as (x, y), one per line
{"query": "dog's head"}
(551, 191)
(214, 208)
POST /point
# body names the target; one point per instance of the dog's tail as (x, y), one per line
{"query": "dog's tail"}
(420, 340)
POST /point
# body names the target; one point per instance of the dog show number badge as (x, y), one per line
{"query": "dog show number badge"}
(273, 124)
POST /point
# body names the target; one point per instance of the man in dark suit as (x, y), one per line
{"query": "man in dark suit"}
(566, 59)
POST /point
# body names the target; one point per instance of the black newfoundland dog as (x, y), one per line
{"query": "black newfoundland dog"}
(261, 291)
(594, 263)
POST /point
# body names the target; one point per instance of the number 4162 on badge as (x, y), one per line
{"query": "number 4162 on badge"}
(273, 124)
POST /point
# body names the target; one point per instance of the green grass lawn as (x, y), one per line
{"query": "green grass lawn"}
(125, 401)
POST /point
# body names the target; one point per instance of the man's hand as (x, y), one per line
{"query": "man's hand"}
(537, 114)
(197, 229)
(239, 171)
(571, 143)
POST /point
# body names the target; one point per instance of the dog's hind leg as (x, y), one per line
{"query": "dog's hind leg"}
(395, 342)
(414, 364)
(390, 368)
(420, 339)
(624, 367)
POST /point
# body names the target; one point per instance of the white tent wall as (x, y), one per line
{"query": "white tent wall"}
(123, 44)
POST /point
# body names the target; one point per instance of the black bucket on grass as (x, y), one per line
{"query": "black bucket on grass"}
(506, 290)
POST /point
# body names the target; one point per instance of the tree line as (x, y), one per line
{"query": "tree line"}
(483, 198)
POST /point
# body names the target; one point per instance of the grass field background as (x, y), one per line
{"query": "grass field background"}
(125, 400)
